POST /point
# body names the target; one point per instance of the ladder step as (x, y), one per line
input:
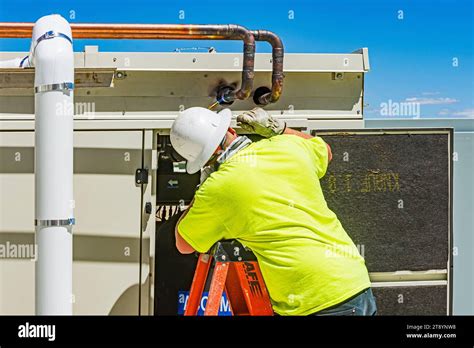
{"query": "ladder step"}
(236, 271)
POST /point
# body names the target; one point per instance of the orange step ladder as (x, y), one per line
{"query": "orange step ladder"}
(236, 271)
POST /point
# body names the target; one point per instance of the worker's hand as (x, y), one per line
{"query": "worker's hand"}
(258, 121)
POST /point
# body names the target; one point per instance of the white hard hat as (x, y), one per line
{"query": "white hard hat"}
(196, 133)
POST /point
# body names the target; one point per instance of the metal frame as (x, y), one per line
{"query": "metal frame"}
(356, 61)
(148, 93)
(427, 277)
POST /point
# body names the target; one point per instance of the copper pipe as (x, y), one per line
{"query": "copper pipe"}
(277, 62)
(160, 32)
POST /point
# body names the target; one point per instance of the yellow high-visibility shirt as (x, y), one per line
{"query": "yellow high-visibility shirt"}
(268, 197)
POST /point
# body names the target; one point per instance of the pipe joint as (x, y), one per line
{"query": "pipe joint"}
(51, 34)
(277, 65)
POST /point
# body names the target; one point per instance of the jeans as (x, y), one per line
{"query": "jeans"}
(361, 304)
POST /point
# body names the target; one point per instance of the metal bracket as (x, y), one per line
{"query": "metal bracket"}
(148, 208)
(232, 251)
(141, 176)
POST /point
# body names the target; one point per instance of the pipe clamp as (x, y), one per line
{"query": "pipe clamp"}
(63, 86)
(55, 223)
(49, 35)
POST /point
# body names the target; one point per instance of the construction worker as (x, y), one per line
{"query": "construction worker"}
(267, 195)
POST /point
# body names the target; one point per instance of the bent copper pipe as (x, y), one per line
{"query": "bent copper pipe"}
(277, 61)
(161, 32)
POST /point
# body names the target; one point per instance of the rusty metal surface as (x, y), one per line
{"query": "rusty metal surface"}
(391, 194)
(182, 32)
(83, 77)
(277, 62)
(159, 32)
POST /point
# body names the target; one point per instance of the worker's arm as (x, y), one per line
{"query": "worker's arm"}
(202, 225)
(183, 246)
(297, 133)
(306, 136)
(258, 121)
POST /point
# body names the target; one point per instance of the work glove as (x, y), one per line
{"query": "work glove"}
(258, 121)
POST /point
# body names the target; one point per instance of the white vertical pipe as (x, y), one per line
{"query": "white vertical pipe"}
(53, 59)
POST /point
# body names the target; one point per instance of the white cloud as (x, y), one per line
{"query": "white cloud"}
(369, 110)
(465, 113)
(431, 101)
(469, 113)
(444, 112)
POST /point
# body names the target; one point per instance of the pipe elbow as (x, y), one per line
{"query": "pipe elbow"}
(268, 36)
(248, 74)
(277, 62)
(242, 33)
(51, 51)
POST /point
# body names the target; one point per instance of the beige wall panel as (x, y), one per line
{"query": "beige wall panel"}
(107, 233)
(17, 289)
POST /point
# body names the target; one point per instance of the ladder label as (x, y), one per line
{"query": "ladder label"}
(224, 308)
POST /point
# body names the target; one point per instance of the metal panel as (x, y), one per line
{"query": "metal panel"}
(157, 91)
(157, 82)
(163, 122)
(463, 205)
(147, 231)
(392, 193)
(391, 190)
(83, 77)
(17, 223)
(175, 61)
(108, 214)
(411, 300)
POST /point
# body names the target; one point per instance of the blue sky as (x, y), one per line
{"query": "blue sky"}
(413, 54)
